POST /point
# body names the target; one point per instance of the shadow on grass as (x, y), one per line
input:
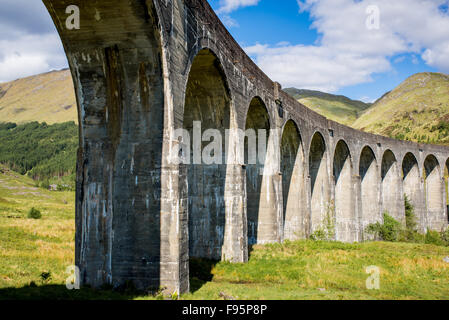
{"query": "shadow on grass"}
(60, 292)
(200, 272)
(250, 251)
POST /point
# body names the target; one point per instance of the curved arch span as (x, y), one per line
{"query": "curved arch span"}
(207, 106)
(345, 218)
(293, 188)
(321, 206)
(370, 191)
(412, 187)
(434, 191)
(392, 188)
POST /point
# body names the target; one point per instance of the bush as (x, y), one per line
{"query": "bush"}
(34, 214)
(389, 230)
(445, 237)
(410, 233)
(392, 230)
(326, 232)
(433, 237)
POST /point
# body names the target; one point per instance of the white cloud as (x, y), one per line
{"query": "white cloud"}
(227, 6)
(30, 54)
(348, 53)
(29, 43)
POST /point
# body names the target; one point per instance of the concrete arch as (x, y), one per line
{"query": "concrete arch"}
(295, 221)
(345, 222)
(369, 207)
(412, 187)
(250, 105)
(434, 191)
(130, 72)
(209, 49)
(261, 220)
(446, 185)
(321, 206)
(392, 188)
(207, 107)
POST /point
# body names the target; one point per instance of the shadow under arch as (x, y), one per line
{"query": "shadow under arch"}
(345, 218)
(434, 191)
(446, 186)
(370, 191)
(412, 182)
(257, 119)
(392, 195)
(207, 107)
(293, 183)
(319, 182)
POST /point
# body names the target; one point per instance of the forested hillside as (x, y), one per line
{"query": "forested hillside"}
(46, 153)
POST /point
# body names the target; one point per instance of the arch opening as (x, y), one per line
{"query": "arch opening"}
(319, 183)
(412, 183)
(293, 188)
(392, 189)
(344, 195)
(370, 191)
(207, 105)
(257, 119)
(434, 191)
(446, 184)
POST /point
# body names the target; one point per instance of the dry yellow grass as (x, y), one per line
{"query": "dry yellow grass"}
(47, 97)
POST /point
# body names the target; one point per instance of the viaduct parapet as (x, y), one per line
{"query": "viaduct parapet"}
(142, 70)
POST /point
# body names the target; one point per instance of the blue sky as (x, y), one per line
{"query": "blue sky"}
(337, 46)
(326, 30)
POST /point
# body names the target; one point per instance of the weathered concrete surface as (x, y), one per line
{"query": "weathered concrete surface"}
(142, 70)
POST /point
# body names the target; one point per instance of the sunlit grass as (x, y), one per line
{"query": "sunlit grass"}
(293, 270)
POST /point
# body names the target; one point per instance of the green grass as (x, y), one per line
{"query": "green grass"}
(293, 270)
(337, 108)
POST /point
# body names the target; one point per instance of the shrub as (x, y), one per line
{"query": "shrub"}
(445, 237)
(410, 233)
(433, 237)
(34, 214)
(389, 230)
(326, 232)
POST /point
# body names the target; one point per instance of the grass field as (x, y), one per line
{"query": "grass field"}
(298, 270)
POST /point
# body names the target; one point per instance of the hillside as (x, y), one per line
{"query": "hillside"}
(417, 110)
(44, 152)
(338, 108)
(47, 97)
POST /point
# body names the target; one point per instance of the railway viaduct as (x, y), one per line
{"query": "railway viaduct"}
(143, 69)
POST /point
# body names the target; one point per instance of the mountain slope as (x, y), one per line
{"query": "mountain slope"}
(47, 97)
(417, 110)
(338, 108)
